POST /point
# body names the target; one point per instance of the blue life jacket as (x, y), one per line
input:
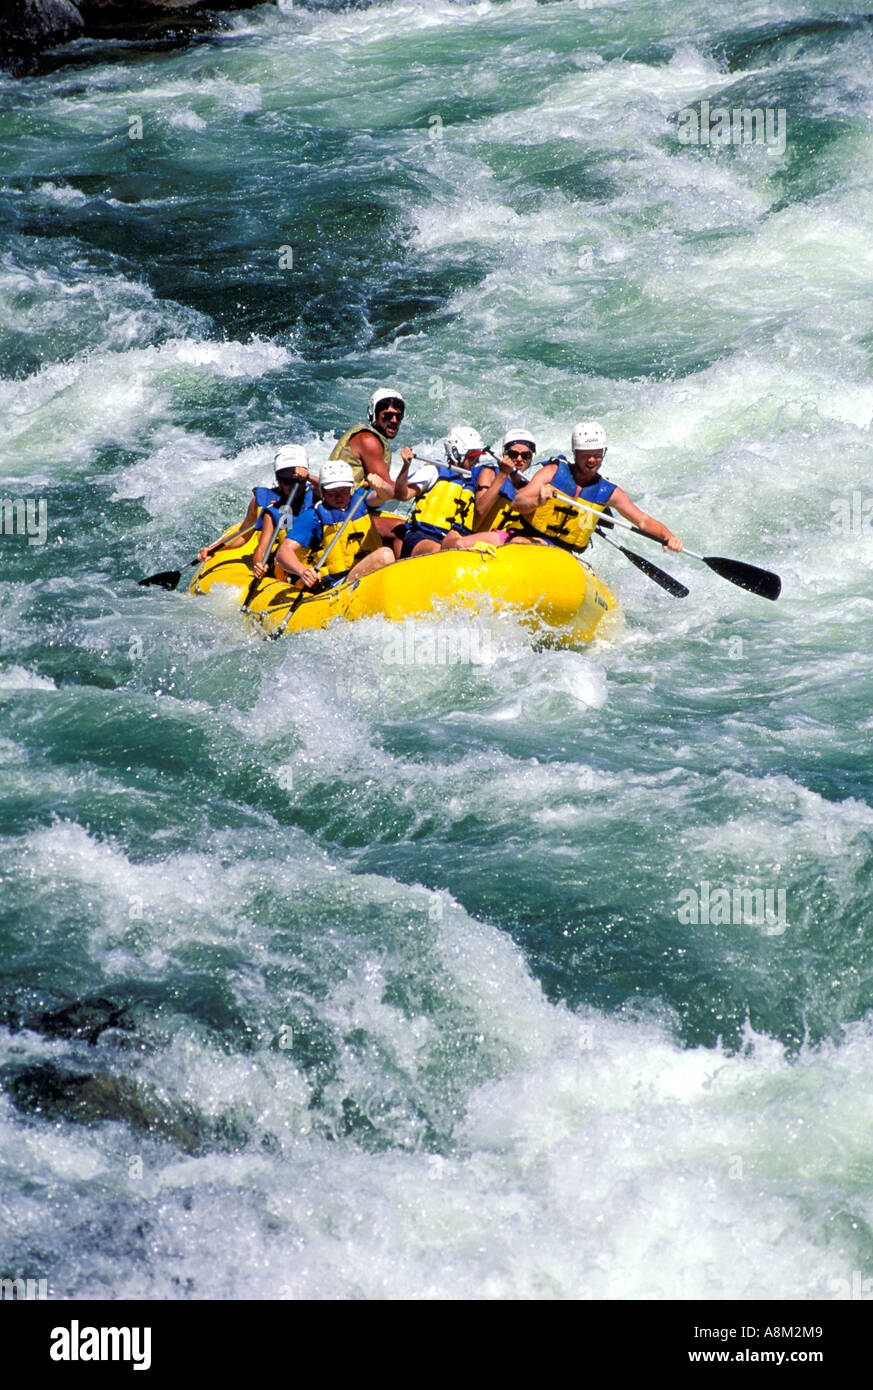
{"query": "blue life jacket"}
(597, 493)
(559, 521)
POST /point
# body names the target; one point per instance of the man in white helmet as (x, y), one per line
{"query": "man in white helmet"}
(442, 517)
(545, 516)
(367, 449)
(291, 464)
(355, 545)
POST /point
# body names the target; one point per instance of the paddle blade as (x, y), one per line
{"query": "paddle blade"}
(761, 582)
(661, 577)
(168, 579)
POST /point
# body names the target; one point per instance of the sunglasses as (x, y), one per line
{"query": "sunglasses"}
(393, 414)
(520, 454)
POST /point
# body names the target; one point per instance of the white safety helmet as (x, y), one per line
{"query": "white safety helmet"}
(379, 397)
(460, 442)
(588, 435)
(291, 456)
(519, 435)
(336, 473)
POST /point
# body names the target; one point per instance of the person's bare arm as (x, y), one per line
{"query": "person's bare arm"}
(367, 447)
(532, 495)
(634, 514)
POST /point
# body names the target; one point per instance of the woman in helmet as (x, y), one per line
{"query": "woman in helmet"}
(445, 500)
(546, 517)
(355, 545)
(496, 485)
(292, 467)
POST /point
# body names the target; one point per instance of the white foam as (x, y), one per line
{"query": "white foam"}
(17, 678)
(64, 413)
(581, 1156)
(187, 120)
(49, 192)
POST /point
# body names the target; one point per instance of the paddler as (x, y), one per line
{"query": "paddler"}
(291, 464)
(359, 549)
(367, 448)
(544, 515)
(496, 485)
(367, 451)
(445, 500)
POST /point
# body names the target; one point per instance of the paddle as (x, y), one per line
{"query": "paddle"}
(450, 467)
(517, 478)
(660, 576)
(170, 578)
(274, 542)
(757, 581)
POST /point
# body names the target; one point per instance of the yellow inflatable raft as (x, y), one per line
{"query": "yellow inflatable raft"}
(550, 589)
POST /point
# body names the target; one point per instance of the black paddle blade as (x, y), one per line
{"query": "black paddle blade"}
(169, 579)
(761, 582)
(661, 577)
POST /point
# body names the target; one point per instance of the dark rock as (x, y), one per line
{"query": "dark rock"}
(56, 1093)
(145, 18)
(84, 1018)
(128, 11)
(28, 26)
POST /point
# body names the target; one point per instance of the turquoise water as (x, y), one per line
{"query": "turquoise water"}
(327, 975)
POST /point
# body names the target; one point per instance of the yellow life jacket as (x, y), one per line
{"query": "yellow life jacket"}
(360, 538)
(501, 517)
(342, 451)
(446, 505)
(557, 520)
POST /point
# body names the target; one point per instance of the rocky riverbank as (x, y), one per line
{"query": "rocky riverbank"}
(27, 27)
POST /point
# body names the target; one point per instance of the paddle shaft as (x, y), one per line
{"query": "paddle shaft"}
(758, 581)
(274, 542)
(168, 579)
(659, 576)
(518, 479)
(307, 593)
